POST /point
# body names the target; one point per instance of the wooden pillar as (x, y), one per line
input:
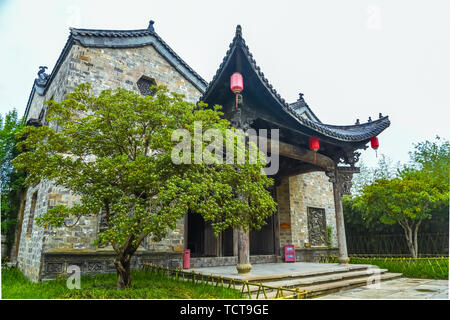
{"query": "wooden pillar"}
(341, 177)
(340, 226)
(243, 265)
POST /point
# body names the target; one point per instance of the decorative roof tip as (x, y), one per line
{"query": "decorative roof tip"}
(300, 97)
(238, 30)
(150, 26)
(42, 78)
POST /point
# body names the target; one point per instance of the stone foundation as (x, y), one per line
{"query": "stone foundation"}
(96, 261)
(314, 254)
(230, 261)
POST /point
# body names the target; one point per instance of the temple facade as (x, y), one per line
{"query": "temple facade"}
(308, 186)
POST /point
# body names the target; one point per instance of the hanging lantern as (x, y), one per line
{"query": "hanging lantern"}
(314, 146)
(374, 144)
(236, 84)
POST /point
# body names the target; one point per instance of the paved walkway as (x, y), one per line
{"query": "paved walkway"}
(403, 288)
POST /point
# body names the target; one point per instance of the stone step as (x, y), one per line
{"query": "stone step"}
(327, 288)
(304, 274)
(316, 280)
(345, 284)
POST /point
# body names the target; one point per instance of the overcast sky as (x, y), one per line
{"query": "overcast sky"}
(351, 59)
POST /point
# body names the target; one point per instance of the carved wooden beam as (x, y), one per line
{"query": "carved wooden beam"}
(298, 153)
(344, 178)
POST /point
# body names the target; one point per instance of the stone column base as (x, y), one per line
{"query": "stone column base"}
(244, 267)
(344, 260)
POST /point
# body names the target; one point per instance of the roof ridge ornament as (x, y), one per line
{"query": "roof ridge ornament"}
(238, 30)
(150, 26)
(42, 78)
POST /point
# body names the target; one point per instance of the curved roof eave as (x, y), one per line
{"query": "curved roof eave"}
(349, 133)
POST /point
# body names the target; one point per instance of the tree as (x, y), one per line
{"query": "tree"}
(11, 180)
(408, 200)
(114, 151)
(433, 158)
(385, 169)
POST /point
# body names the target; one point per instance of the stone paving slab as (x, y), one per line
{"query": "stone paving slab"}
(403, 288)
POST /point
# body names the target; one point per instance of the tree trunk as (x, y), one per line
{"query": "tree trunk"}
(416, 246)
(123, 267)
(409, 239)
(243, 265)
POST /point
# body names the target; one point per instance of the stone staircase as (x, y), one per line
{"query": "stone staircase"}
(318, 284)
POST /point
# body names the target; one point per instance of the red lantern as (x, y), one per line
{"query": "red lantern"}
(236, 84)
(314, 146)
(374, 144)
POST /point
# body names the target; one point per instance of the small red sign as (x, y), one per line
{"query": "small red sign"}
(187, 259)
(289, 253)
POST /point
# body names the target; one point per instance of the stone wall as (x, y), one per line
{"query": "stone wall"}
(284, 213)
(31, 243)
(310, 190)
(109, 68)
(104, 68)
(294, 195)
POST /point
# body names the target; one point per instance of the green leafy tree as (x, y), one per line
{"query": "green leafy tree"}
(433, 158)
(114, 152)
(356, 222)
(408, 200)
(11, 180)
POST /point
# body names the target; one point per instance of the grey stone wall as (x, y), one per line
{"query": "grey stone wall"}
(108, 68)
(284, 213)
(294, 195)
(30, 245)
(310, 190)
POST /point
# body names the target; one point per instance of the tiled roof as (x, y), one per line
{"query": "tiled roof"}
(300, 107)
(351, 133)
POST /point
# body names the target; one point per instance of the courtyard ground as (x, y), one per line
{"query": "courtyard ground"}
(403, 288)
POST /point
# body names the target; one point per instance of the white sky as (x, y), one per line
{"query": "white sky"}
(351, 58)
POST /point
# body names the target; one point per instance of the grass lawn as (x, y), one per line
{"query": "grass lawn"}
(423, 268)
(145, 285)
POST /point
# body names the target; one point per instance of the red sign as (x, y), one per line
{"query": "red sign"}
(187, 259)
(289, 253)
